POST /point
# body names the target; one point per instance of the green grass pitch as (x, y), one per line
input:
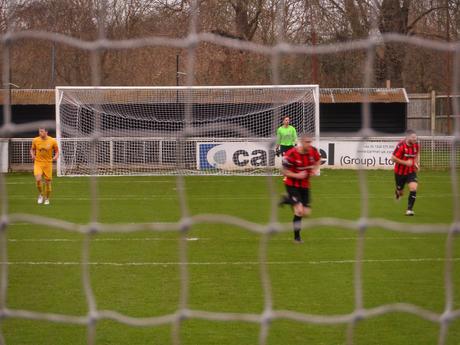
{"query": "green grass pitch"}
(316, 277)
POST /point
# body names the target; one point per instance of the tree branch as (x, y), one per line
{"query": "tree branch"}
(411, 25)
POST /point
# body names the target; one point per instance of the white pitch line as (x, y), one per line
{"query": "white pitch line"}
(229, 197)
(25, 223)
(229, 179)
(101, 182)
(316, 239)
(221, 263)
(100, 239)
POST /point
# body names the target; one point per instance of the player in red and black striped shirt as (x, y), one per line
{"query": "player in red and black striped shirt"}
(299, 163)
(407, 162)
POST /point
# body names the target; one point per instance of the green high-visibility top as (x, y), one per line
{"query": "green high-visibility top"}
(286, 136)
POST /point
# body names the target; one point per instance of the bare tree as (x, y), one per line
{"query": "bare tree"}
(305, 22)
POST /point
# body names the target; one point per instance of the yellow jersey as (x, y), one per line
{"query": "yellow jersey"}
(44, 149)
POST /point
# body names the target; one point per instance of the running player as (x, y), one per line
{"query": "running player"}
(299, 163)
(407, 162)
(41, 152)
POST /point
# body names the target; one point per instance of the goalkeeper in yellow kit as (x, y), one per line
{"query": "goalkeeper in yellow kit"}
(43, 151)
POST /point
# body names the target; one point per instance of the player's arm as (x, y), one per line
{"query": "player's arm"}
(298, 176)
(32, 151)
(317, 164)
(315, 169)
(417, 161)
(56, 151)
(278, 139)
(408, 163)
(288, 173)
(395, 157)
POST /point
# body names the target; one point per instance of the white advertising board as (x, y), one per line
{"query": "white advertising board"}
(353, 154)
(233, 156)
(338, 154)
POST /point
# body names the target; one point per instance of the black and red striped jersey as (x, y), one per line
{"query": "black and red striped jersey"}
(405, 152)
(295, 161)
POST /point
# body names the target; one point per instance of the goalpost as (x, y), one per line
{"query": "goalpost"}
(169, 130)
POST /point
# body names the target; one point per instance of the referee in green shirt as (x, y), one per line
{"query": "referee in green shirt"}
(286, 136)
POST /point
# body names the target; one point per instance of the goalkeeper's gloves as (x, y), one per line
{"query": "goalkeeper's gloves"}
(278, 152)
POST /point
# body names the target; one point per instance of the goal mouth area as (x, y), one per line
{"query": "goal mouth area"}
(172, 130)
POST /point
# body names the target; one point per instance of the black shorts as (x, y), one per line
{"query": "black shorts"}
(299, 195)
(401, 180)
(283, 149)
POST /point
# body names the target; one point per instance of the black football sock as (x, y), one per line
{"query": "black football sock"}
(411, 200)
(297, 222)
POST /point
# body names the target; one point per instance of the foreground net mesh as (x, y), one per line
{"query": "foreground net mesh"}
(183, 311)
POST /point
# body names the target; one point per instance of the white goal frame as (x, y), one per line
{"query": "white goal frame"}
(59, 91)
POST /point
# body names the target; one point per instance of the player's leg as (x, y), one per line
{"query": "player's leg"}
(285, 200)
(306, 211)
(400, 181)
(47, 192)
(295, 199)
(48, 175)
(38, 172)
(305, 195)
(301, 210)
(412, 184)
(297, 221)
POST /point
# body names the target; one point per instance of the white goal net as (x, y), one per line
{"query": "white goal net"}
(166, 130)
